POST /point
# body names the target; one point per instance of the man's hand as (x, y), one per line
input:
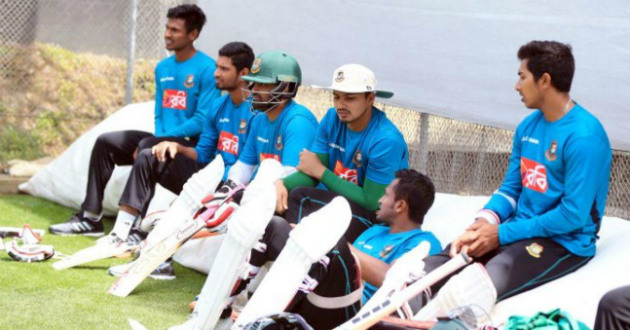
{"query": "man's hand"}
(487, 238)
(282, 197)
(461, 243)
(480, 238)
(311, 165)
(165, 150)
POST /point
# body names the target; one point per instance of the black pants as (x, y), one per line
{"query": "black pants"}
(515, 268)
(613, 312)
(147, 171)
(115, 148)
(306, 200)
(336, 275)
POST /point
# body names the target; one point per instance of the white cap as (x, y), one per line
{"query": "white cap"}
(355, 78)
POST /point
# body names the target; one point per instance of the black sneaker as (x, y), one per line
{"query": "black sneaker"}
(78, 225)
(136, 236)
(165, 271)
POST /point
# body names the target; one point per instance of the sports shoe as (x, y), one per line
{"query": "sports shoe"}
(78, 225)
(165, 271)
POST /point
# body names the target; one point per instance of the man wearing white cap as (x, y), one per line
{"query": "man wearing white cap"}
(355, 154)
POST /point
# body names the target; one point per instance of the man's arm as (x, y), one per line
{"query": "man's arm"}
(241, 173)
(206, 148)
(502, 204)
(159, 129)
(366, 196)
(373, 270)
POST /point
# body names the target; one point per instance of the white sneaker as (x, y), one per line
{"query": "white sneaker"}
(119, 269)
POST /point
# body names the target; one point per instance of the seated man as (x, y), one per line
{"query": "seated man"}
(280, 131)
(542, 222)
(355, 154)
(171, 164)
(184, 91)
(400, 214)
(283, 127)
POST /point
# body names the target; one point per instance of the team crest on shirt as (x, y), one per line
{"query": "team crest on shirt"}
(533, 175)
(357, 158)
(242, 126)
(551, 152)
(340, 77)
(534, 250)
(256, 65)
(386, 251)
(190, 81)
(279, 142)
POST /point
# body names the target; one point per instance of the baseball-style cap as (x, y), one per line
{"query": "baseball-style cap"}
(355, 78)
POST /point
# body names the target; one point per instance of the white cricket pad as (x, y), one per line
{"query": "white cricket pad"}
(366, 317)
(471, 287)
(315, 236)
(245, 228)
(198, 186)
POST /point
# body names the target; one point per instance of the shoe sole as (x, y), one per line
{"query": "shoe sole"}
(77, 234)
(163, 277)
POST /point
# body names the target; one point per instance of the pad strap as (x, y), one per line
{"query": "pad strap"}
(335, 302)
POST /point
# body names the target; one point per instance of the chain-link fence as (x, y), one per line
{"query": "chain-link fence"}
(465, 158)
(63, 67)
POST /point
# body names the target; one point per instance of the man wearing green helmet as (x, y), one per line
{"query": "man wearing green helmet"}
(282, 127)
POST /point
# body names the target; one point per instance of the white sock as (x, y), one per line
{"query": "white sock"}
(91, 215)
(123, 224)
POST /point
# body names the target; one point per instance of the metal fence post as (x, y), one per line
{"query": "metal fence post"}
(424, 143)
(131, 50)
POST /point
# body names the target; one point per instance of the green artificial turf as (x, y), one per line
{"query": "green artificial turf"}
(35, 296)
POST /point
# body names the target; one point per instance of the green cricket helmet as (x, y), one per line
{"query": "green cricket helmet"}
(277, 68)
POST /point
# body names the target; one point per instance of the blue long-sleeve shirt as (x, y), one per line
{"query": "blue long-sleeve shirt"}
(184, 92)
(225, 132)
(556, 183)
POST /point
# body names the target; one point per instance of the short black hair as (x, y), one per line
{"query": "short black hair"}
(552, 57)
(191, 14)
(240, 53)
(417, 190)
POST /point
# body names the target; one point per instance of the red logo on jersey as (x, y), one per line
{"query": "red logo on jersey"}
(533, 175)
(347, 174)
(174, 99)
(228, 142)
(264, 156)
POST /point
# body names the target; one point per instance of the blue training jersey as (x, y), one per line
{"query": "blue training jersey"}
(556, 183)
(225, 132)
(184, 92)
(375, 153)
(379, 243)
(282, 139)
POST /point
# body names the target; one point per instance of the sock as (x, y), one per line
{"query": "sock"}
(123, 224)
(92, 216)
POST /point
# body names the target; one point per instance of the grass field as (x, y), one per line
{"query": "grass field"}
(37, 297)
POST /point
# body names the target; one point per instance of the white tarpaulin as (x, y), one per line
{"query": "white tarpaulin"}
(453, 58)
(65, 179)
